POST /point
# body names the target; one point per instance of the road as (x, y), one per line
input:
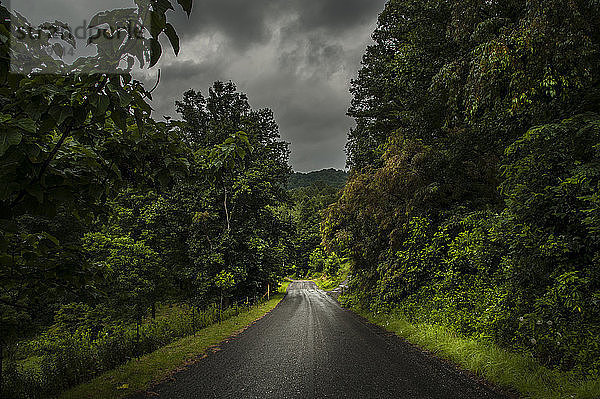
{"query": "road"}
(309, 347)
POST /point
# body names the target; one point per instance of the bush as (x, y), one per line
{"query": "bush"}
(72, 357)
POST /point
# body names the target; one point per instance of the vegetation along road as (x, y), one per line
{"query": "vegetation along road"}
(310, 347)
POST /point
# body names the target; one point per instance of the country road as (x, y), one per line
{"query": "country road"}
(309, 347)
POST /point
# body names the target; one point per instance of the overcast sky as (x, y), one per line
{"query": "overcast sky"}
(294, 56)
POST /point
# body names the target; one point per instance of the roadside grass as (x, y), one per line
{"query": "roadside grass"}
(140, 375)
(283, 286)
(500, 366)
(327, 282)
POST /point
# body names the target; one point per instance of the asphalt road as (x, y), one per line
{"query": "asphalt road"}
(309, 347)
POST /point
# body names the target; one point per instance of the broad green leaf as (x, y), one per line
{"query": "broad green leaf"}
(103, 104)
(119, 117)
(58, 49)
(25, 124)
(155, 51)
(162, 6)
(173, 38)
(186, 5)
(157, 23)
(60, 113)
(8, 138)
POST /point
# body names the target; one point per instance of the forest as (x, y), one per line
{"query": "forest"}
(472, 199)
(110, 218)
(327, 177)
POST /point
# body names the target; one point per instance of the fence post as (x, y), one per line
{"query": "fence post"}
(268, 292)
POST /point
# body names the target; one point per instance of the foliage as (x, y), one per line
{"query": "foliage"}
(67, 143)
(326, 177)
(304, 214)
(105, 212)
(74, 358)
(472, 198)
(138, 375)
(244, 165)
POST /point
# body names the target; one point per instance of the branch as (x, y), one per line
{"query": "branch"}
(14, 305)
(45, 165)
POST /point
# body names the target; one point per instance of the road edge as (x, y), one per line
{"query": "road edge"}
(136, 378)
(381, 330)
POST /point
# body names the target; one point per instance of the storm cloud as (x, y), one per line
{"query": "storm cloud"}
(296, 57)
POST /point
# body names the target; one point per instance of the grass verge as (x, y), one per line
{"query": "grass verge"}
(283, 287)
(327, 282)
(500, 366)
(139, 375)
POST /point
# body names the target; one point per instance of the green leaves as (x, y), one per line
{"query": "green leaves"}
(28, 125)
(186, 5)
(224, 280)
(173, 38)
(9, 138)
(119, 117)
(158, 23)
(155, 51)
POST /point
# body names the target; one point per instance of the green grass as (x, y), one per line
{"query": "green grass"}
(328, 283)
(139, 375)
(283, 287)
(498, 365)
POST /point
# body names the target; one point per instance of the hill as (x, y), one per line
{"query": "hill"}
(330, 177)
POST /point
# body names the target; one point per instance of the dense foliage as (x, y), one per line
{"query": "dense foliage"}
(475, 170)
(105, 212)
(328, 177)
(304, 211)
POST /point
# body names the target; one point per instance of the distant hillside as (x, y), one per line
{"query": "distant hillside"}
(330, 177)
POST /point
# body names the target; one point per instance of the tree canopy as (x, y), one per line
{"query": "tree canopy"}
(472, 196)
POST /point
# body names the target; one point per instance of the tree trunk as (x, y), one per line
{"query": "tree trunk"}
(225, 203)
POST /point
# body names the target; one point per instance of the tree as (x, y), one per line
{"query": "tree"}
(242, 169)
(471, 197)
(65, 147)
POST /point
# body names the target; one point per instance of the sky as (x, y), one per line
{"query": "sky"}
(296, 57)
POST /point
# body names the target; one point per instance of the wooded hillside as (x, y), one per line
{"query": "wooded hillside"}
(475, 171)
(326, 177)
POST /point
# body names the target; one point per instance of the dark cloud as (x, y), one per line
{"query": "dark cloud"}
(336, 15)
(243, 22)
(248, 22)
(294, 56)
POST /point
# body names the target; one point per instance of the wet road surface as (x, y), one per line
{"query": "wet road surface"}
(309, 347)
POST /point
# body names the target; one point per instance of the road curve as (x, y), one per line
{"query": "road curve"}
(309, 347)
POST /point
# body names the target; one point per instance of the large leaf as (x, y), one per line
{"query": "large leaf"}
(8, 138)
(119, 117)
(155, 51)
(158, 23)
(186, 5)
(173, 38)
(25, 124)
